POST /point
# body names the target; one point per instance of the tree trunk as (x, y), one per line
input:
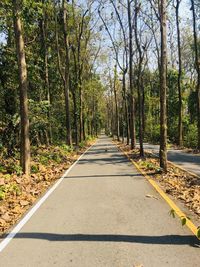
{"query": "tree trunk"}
(163, 87)
(125, 107)
(80, 109)
(180, 115)
(23, 85)
(139, 84)
(132, 109)
(66, 75)
(197, 66)
(46, 69)
(116, 104)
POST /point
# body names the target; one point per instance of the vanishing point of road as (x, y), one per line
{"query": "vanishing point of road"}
(99, 216)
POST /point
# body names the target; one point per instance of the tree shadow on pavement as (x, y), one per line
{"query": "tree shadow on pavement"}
(157, 240)
(106, 176)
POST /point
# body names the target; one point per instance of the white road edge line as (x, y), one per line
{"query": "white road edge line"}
(27, 217)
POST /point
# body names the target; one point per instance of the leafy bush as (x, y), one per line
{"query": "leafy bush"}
(82, 144)
(67, 148)
(44, 160)
(190, 139)
(34, 169)
(14, 168)
(56, 157)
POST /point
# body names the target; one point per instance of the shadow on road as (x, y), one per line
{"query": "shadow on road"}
(160, 240)
(105, 176)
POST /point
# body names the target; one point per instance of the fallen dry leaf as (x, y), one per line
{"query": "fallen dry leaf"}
(24, 203)
(151, 196)
(2, 181)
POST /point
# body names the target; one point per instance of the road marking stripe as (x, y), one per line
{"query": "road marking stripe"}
(177, 210)
(27, 217)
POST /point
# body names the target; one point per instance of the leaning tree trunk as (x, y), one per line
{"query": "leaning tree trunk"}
(23, 85)
(180, 123)
(197, 66)
(66, 75)
(163, 87)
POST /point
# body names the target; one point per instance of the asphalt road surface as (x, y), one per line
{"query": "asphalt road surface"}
(99, 216)
(190, 162)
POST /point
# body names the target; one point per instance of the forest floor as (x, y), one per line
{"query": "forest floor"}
(18, 192)
(177, 182)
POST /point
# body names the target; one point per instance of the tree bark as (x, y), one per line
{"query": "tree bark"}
(197, 66)
(163, 87)
(132, 109)
(139, 83)
(125, 107)
(46, 70)
(66, 74)
(23, 85)
(180, 123)
(116, 104)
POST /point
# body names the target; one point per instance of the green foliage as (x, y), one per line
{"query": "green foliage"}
(14, 168)
(82, 144)
(43, 159)
(2, 193)
(14, 188)
(198, 232)
(34, 169)
(183, 221)
(190, 139)
(3, 169)
(56, 157)
(67, 148)
(172, 213)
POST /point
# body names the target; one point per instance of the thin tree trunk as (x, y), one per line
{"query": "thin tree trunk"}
(116, 104)
(180, 123)
(125, 107)
(23, 85)
(66, 75)
(139, 84)
(132, 109)
(80, 110)
(75, 89)
(163, 87)
(197, 66)
(46, 70)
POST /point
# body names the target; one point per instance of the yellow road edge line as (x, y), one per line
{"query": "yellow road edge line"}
(176, 209)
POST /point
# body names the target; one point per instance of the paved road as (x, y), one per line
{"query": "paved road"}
(190, 162)
(99, 216)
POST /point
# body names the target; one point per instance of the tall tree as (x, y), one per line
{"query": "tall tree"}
(180, 115)
(139, 78)
(197, 66)
(23, 86)
(132, 101)
(44, 50)
(66, 73)
(163, 86)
